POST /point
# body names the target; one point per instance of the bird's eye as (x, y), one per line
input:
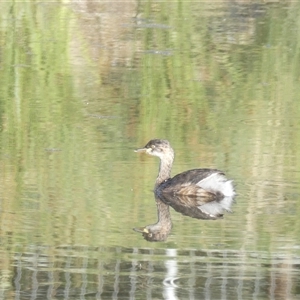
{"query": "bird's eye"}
(152, 146)
(150, 235)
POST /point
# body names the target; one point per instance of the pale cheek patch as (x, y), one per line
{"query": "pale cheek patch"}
(149, 151)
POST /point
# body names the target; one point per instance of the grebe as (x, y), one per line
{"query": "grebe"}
(199, 193)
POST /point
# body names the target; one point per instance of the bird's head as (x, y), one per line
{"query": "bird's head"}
(157, 147)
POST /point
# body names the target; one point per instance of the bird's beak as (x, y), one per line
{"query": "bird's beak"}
(141, 230)
(140, 150)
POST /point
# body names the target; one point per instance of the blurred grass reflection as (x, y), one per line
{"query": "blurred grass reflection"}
(80, 91)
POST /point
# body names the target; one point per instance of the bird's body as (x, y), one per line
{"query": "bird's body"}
(197, 182)
(207, 183)
(198, 193)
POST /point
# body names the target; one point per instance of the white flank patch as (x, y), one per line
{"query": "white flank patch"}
(217, 183)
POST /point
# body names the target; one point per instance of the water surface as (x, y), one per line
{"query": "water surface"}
(84, 84)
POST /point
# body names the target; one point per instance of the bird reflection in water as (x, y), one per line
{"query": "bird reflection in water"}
(198, 193)
(161, 229)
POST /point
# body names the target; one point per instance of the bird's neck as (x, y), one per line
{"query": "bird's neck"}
(164, 217)
(164, 169)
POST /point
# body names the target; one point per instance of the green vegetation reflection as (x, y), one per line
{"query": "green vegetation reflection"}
(226, 99)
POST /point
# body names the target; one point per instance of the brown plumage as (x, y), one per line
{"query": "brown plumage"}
(209, 184)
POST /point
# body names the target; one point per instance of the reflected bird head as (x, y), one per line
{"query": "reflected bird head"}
(152, 233)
